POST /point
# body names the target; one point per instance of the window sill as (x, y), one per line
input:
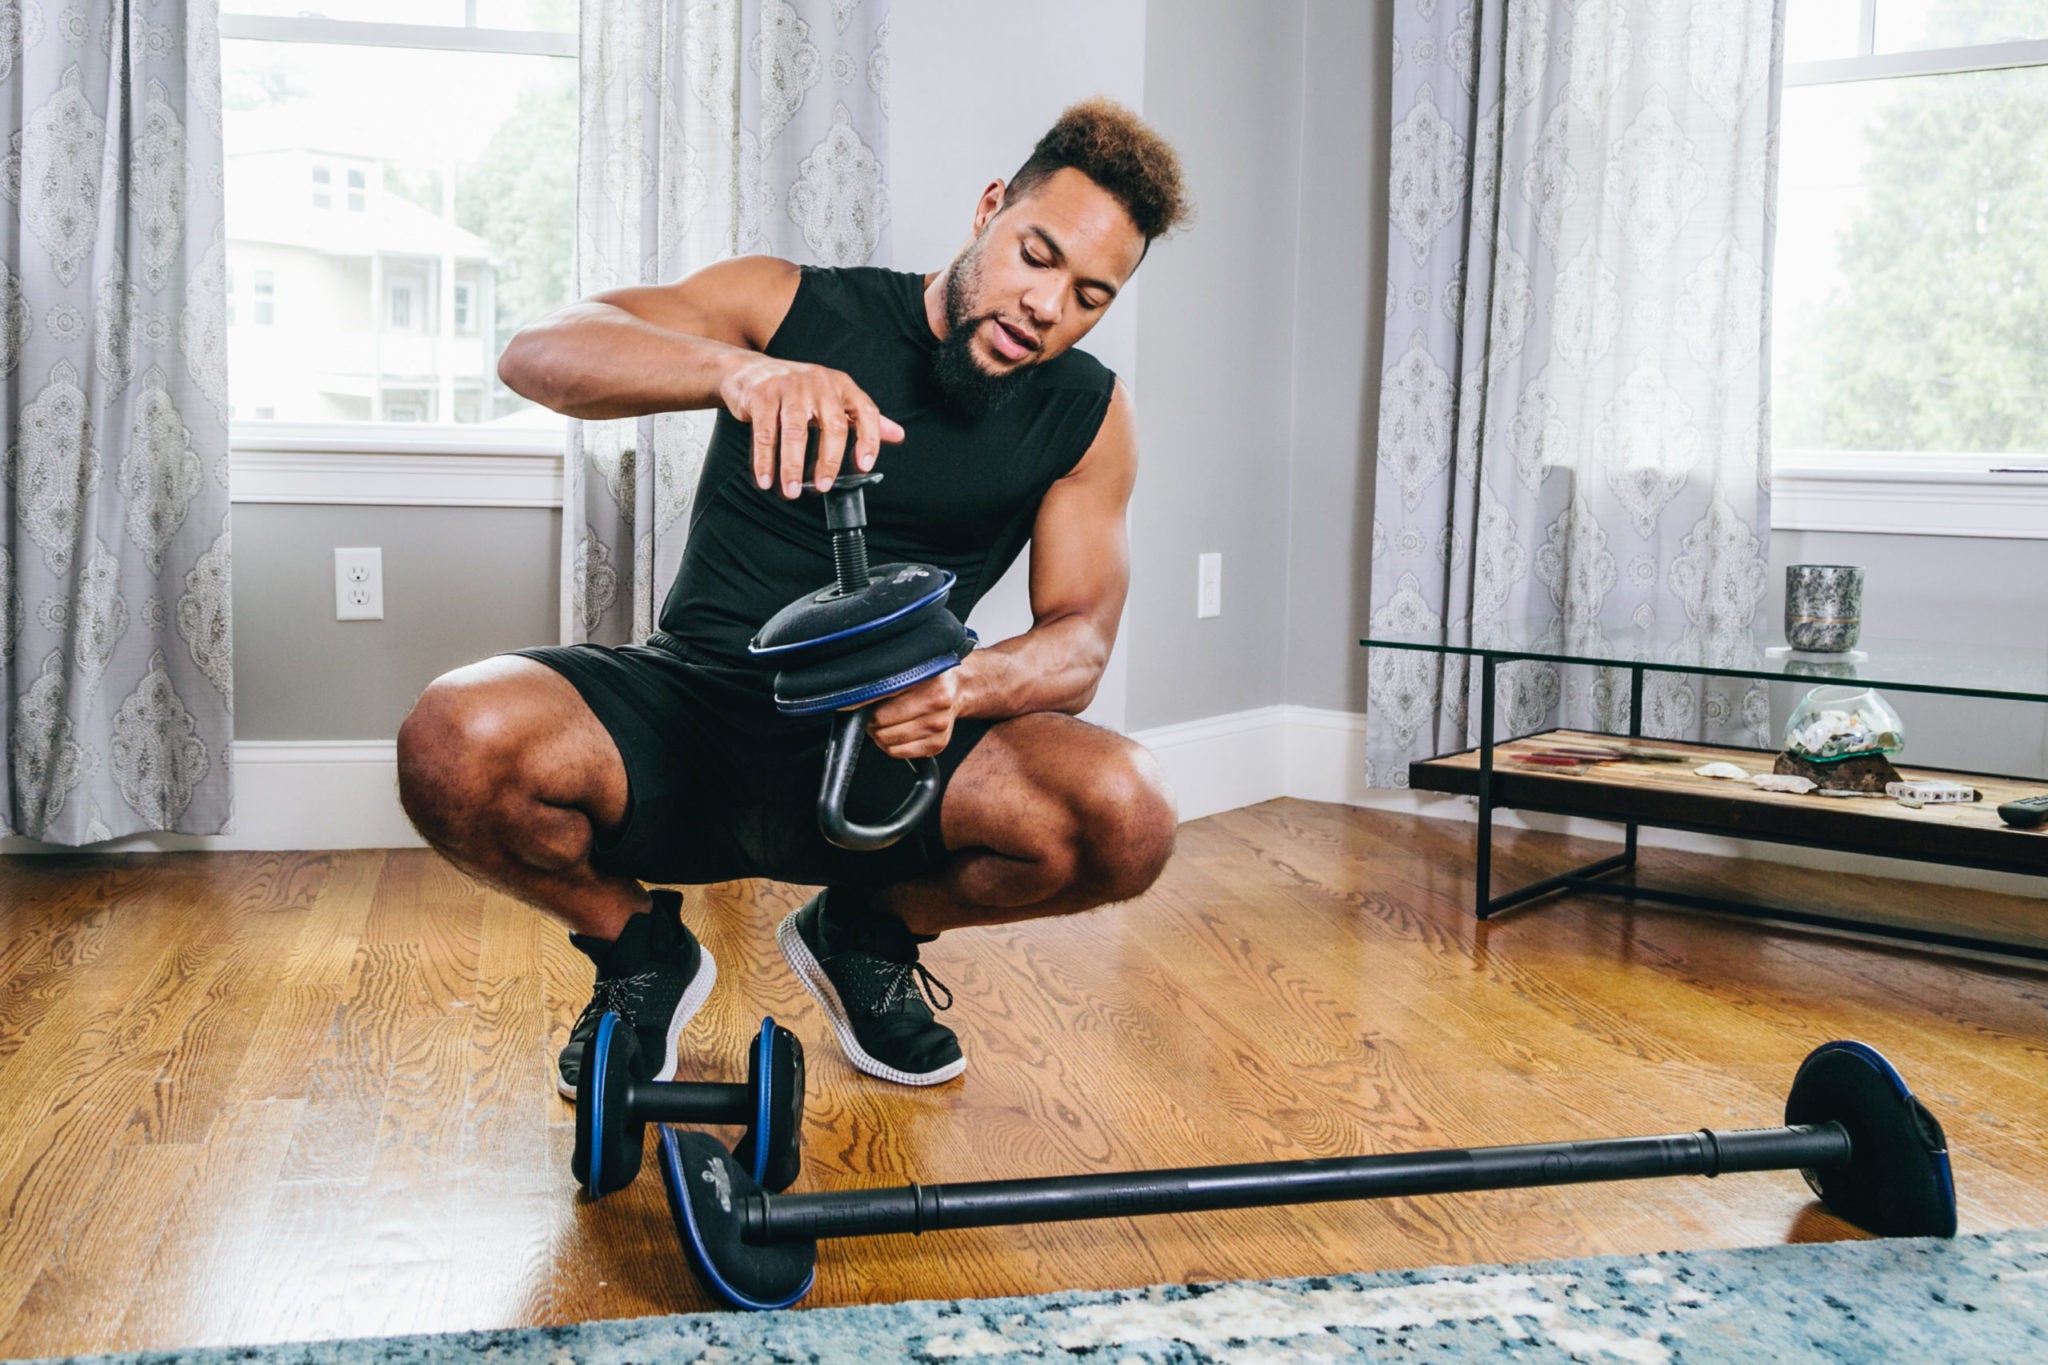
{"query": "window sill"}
(397, 466)
(2001, 497)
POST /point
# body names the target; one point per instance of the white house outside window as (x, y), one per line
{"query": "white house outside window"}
(437, 139)
(1910, 325)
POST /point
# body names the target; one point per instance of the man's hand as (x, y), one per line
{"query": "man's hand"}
(785, 400)
(918, 721)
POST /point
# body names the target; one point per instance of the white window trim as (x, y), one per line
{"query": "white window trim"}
(394, 465)
(313, 29)
(2002, 497)
(1911, 492)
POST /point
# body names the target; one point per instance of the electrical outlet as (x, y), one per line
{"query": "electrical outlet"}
(359, 584)
(1209, 589)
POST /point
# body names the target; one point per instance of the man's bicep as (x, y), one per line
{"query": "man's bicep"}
(739, 302)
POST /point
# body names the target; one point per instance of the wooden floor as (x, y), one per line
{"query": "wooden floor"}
(255, 1097)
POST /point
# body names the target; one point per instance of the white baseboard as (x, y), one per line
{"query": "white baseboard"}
(291, 795)
(1225, 762)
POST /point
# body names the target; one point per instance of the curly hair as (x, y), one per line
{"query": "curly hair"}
(1115, 148)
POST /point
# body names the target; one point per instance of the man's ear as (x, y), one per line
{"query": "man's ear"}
(990, 204)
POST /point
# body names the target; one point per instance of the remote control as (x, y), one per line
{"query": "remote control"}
(2026, 812)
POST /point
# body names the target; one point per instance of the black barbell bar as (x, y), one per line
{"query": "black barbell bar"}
(768, 1218)
(1872, 1152)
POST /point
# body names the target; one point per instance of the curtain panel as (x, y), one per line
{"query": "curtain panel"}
(1574, 408)
(708, 129)
(116, 690)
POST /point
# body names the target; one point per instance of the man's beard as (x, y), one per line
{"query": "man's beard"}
(971, 390)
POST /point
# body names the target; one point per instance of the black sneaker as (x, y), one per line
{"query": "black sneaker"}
(655, 977)
(867, 976)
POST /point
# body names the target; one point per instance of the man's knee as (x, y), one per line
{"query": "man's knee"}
(452, 750)
(1127, 821)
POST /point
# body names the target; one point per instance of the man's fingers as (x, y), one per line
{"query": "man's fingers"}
(765, 430)
(867, 435)
(892, 432)
(831, 448)
(911, 741)
(796, 432)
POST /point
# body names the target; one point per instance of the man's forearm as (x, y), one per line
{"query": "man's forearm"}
(1055, 666)
(596, 361)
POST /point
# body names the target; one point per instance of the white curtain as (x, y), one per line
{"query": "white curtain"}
(116, 693)
(708, 129)
(1574, 412)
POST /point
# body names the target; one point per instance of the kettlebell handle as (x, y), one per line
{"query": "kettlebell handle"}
(849, 730)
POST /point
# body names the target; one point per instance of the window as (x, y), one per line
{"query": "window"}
(1910, 308)
(402, 294)
(446, 131)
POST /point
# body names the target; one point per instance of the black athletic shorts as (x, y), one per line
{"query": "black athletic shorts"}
(723, 786)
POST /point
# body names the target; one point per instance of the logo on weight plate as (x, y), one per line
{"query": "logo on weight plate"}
(714, 1175)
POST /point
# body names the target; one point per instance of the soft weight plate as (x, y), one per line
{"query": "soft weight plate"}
(1897, 1181)
(705, 1187)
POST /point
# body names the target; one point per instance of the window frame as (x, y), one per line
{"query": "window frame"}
(2002, 496)
(391, 463)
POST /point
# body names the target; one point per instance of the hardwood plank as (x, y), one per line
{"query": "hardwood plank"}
(213, 1237)
(346, 1089)
(96, 1261)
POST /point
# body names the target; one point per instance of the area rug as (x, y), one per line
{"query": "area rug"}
(1981, 1298)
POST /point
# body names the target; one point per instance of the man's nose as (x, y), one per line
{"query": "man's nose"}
(1043, 304)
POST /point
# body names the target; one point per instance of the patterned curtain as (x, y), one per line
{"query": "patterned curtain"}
(114, 630)
(1574, 411)
(709, 129)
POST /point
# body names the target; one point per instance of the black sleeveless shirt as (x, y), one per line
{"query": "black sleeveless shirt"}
(956, 493)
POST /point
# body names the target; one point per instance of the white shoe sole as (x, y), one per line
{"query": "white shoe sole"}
(807, 970)
(686, 1010)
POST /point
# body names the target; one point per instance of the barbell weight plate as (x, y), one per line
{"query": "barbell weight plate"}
(607, 1153)
(771, 1150)
(705, 1186)
(1897, 1181)
(895, 593)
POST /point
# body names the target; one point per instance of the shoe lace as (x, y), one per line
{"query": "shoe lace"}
(620, 995)
(900, 981)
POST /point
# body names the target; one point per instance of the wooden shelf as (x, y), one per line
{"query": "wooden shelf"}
(1672, 796)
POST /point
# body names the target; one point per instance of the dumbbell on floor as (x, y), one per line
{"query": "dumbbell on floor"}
(613, 1110)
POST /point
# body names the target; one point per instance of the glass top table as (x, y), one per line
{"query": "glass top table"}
(2014, 672)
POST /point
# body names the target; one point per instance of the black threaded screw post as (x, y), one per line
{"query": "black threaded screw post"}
(846, 517)
(850, 559)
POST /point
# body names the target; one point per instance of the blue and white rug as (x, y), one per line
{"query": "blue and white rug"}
(1979, 1298)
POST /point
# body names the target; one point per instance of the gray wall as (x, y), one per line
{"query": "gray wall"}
(1215, 361)
(1339, 307)
(459, 583)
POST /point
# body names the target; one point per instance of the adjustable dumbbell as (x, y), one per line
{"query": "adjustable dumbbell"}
(869, 634)
(613, 1110)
